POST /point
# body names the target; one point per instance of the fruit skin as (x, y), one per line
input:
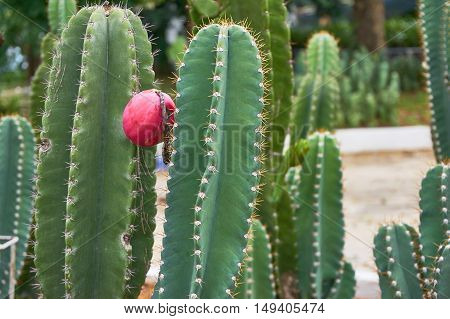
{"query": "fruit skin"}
(143, 121)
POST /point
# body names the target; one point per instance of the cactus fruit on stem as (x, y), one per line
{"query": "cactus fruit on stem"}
(216, 164)
(316, 195)
(407, 263)
(59, 12)
(315, 103)
(434, 18)
(257, 279)
(16, 186)
(92, 182)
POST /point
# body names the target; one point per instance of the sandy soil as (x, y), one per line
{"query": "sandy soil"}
(378, 188)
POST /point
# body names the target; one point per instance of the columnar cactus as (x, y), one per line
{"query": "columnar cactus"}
(216, 164)
(441, 273)
(59, 12)
(316, 195)
(407, 264)
(16, 186)
(94, 201)
(434, 17)
(257, 279)
(317, 99)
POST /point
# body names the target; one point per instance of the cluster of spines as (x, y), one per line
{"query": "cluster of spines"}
(17, 140)
(439, 287)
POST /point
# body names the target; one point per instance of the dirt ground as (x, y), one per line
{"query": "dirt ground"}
(378, 188)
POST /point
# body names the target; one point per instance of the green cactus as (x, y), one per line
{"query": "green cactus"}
(406, 262)
(257, 279)
(16, 186)
(315, 103)
(92, 183)
(59, 12)
(316, 195)
(434, 17)
(397, 256)
(215, 173)
(441, 273)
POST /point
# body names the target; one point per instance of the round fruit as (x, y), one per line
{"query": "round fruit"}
(144, 117)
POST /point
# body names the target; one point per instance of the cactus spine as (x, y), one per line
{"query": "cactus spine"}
(16, 186)
(316, 101)
(316, 194)
(59, 12)
(210, 210)
(86, 186)
(257, 279)
(407, 264)
(434, 16)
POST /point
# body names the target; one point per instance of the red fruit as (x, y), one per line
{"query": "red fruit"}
(143, 121)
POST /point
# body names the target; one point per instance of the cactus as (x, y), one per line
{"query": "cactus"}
(316, 195)
(441, 273)
(214, 175)
(406, 262)
(434, 17)
(315, 103)
(257, 279)
(16, 186)
(59, 12)
(92, 183)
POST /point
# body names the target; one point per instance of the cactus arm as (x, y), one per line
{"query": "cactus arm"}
(16, 174)
(193, 101)
(441, 272)
(434, 204)
(319, 220)
(282, 72)
(344, 285)
(40, 78)
(143, 221)
(434, 16)
(397, 256)
(257, 278)
(59, 12)
(54, 157)
(214, 236)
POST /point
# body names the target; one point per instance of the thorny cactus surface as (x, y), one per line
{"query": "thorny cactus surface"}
(95, 205)
(216, 164)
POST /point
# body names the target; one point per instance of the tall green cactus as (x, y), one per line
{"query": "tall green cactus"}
(316, 101)
(257, 279)
(92, 183)
(406, 262)
(16, 185)
(59, 12)
(316, 195)
(434, 17)
(215, 170)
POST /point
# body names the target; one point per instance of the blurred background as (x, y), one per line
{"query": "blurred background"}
(383, 88)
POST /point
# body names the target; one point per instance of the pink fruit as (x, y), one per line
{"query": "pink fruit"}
(143, 121)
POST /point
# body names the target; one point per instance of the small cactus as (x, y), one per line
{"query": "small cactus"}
(257, 279)
(215, 169)
(407, 263)
(92, 182)
(16, 187)
(434, 17)
(316, 196)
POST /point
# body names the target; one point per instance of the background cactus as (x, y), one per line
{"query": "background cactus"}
(434, 17)
(257, 280)
(92, 183)
(317, 98)
(214, 175)
(406, 262)
(316, 196)
(16, 186)
(59, 12)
